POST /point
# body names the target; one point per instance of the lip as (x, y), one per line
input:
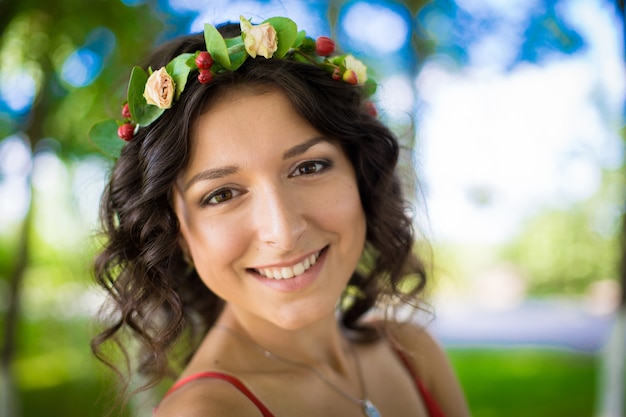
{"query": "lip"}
(293, 284)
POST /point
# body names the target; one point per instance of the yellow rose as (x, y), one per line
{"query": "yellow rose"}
(259, 39)
(353, 64)
(160, 89)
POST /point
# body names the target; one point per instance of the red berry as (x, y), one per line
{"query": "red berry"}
(205, 76)
(126, 131)
(324, 46)
(126, 111)
(370, 108)
(336, 74)
(350, 77)
(204, 60)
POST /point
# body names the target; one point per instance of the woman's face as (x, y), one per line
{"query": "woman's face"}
(269, 210)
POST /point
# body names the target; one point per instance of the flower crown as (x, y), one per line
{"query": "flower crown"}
(151, 93)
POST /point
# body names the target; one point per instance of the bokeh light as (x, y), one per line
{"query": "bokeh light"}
(376, 28)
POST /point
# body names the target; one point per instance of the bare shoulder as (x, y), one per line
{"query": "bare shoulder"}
(409, 333)
(417, 342)
(431, 364)
(206, 397)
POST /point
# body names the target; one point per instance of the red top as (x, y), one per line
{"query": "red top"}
(429, 400)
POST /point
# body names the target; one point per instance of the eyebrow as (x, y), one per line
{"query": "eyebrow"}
(217, 173)
(303, 147)
(211, 174)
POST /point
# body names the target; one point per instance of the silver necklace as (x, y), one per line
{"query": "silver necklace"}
(366, 405)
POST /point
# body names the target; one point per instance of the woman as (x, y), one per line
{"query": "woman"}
(255, 222)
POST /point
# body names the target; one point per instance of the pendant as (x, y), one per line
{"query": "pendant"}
(369, 409)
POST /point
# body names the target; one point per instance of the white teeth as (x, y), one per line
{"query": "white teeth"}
(287, 272)
(298, 269)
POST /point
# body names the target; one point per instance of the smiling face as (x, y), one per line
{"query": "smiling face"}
(269, 210)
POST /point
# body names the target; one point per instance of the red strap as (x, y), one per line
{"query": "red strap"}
(228, 378)
(429, 400)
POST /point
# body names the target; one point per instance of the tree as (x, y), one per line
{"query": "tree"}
(36, 40)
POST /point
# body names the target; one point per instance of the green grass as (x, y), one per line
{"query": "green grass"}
(76, 398)
(57, 376)
(497, 383)
(527, 382)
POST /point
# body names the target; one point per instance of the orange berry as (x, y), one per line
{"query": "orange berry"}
(350, 77)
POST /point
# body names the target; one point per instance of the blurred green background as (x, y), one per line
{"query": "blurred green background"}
(515, 113)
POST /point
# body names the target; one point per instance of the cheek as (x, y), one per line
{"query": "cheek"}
(343, 212)
(214, 243)
(216, 249)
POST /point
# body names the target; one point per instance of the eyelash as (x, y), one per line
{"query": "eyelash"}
(207, 200)
(323, 163)
(320, 166)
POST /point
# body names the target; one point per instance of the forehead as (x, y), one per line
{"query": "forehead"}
(243, 110)
(247, 121)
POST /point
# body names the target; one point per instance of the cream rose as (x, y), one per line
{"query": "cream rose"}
(351, 63)
(160, 89)
(259, 39)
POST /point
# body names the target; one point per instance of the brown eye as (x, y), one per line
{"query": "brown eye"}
(310, 167)
(220, 196)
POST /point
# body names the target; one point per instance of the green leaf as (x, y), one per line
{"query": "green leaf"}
(216, 46)
(286, 34)
(369, 87)
(328, 67)
(191, 61)
(236, 51)
(142, 112)
(136, 86)
(301, 58)
(104, 135)
(299, 39)
(308, 45)
(339, 60)
(179, 71)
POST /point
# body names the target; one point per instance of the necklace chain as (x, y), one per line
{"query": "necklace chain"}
(365, 404)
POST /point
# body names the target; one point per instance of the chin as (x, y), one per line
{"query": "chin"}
(297, 320)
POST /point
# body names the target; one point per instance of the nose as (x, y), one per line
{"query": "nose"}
(280, 220)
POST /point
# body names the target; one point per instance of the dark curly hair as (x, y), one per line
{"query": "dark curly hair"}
(154, 296)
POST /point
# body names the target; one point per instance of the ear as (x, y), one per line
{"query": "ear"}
(184, 248)
(177, 206)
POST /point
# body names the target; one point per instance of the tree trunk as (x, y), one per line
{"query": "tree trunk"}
(9, 404)
(9, 399)
(612, 380)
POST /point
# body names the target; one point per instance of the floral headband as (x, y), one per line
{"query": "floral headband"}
(151, 93)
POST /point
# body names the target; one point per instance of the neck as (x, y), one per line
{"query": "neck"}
(320, 348)
(320, 344)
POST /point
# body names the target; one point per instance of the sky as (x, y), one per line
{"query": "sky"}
(497, 139)
(500, 144)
